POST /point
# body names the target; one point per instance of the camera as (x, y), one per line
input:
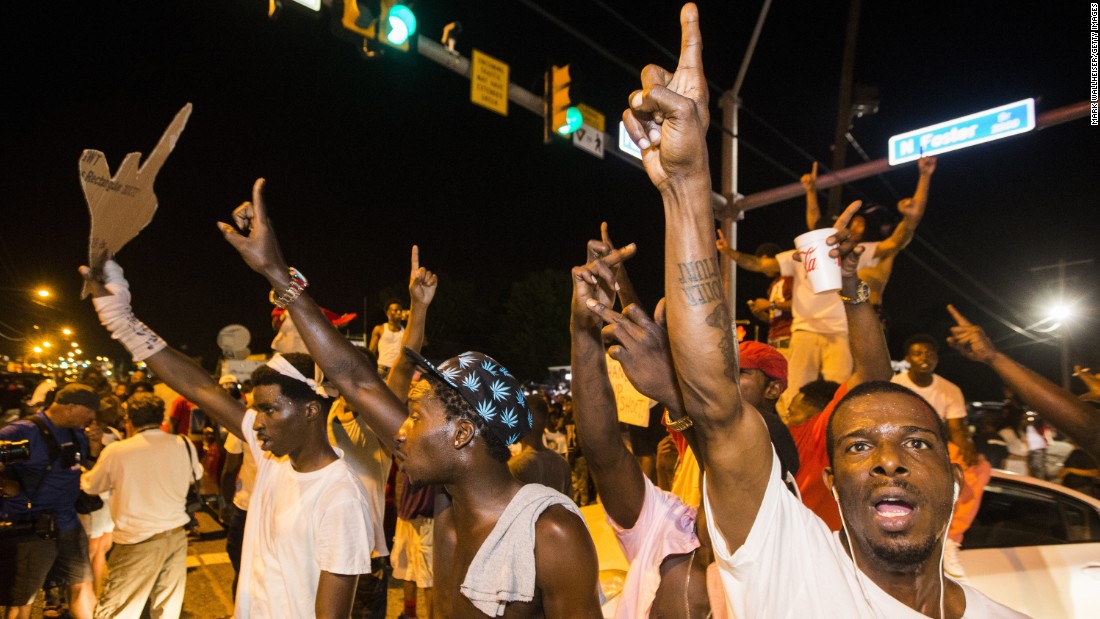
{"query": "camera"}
(14, 451)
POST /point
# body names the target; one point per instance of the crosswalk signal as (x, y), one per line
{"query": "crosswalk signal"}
(561, 116)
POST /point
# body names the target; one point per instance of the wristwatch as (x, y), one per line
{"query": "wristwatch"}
(680, 424)
(863, 292)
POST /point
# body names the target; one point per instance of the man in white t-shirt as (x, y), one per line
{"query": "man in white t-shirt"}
(148, 476)
(309, 533)
(922, 354)
(890, 468)
(500, 545)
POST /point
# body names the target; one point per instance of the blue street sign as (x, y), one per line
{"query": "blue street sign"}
(999, 122)
(626, 144)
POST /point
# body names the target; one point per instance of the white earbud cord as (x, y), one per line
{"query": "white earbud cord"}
(855, 564)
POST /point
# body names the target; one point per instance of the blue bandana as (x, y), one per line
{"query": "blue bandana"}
(491, 390)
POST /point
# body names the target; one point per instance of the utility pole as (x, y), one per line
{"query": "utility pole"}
(844, 104)
(731, 105)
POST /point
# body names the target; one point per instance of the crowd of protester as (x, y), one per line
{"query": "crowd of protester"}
(797, 477)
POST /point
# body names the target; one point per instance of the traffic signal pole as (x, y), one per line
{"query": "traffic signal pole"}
(872, 168)
(728, 216)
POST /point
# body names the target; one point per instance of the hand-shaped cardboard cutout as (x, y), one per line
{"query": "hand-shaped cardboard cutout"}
(123, 204)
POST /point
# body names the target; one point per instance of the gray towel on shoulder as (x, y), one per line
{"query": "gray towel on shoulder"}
(503, 570)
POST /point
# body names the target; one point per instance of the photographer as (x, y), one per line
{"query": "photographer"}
(39, 500)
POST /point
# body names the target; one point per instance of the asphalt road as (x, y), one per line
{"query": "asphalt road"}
(210, 578)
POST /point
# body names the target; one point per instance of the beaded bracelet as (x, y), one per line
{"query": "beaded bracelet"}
(298, 283)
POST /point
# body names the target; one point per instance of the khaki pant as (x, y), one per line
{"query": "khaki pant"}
(153, 570)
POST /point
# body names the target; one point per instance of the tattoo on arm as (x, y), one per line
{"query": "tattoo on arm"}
(720, 319)
(700, 281)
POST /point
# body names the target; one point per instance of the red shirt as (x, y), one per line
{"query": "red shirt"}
(809, 439)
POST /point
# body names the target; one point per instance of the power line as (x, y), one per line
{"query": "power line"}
(790, 143)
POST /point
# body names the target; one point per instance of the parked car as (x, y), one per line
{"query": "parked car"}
(1035, 546)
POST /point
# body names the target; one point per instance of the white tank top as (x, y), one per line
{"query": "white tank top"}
(389, 346)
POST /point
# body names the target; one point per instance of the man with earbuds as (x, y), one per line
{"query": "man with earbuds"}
(887, 448)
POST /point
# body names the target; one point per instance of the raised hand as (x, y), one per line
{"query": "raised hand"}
(669, 116)
(926, 165)
(422, 282)
(641, 346)
(970, 339)
(846, 250)
(809, 181)
(596, 281)
(721, 243)
(758, 306)
(256, 243)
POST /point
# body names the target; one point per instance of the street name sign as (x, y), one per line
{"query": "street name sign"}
(999, 122)
(626, 144)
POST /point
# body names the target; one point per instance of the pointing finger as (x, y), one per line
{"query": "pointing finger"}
(959, 318)
(691, 40)
(415, 259)
(847, 215)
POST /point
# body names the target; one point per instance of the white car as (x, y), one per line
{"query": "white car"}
(1035, 546)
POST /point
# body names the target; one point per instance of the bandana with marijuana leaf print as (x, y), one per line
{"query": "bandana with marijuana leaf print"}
(491, 390)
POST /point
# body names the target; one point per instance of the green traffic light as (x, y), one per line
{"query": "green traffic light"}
(402, 24)
(573, 121)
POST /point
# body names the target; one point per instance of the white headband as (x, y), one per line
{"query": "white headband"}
(284, 367)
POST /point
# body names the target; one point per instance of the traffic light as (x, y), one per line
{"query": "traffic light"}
(561, 116)
(394, 26)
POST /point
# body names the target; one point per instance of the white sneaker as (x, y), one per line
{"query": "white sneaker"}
(951, 564)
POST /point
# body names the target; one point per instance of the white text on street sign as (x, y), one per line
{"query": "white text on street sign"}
(999, 122)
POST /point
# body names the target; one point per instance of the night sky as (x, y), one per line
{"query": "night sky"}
(366, 157)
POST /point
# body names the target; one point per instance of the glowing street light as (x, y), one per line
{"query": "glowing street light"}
(46, 344)
(1061, 311)
(37, 349)
(67, 331)
(42, 292)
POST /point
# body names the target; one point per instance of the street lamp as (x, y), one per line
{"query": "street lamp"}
(42, 292)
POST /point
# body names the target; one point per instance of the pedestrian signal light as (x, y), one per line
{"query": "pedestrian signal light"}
(402, 24)
(564, 117)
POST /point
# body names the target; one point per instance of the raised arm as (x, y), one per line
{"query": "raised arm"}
(1092, 381)
(1077, 419)
(912, 211)
(111, 298)
(422, 283)
(615, 471)
(749, 262)
(813, 210)
(668, 118)
(353, 373)
(870, 355)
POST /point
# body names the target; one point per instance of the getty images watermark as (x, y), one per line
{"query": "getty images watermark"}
(1094, 113)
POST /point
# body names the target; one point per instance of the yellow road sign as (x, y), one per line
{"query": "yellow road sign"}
(489, 83)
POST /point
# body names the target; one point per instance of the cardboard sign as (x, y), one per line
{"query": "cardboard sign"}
(633, 407)
(122, 204)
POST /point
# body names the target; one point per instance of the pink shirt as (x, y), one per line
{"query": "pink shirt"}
(665, 526)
